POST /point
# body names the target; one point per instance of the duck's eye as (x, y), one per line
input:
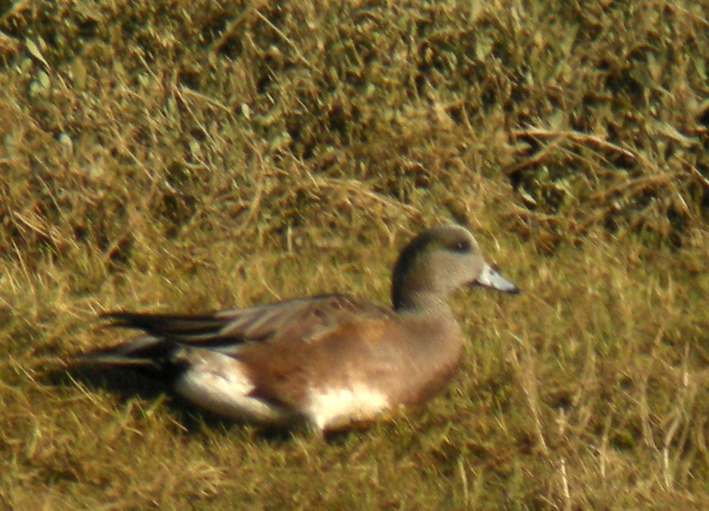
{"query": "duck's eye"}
(461, 246)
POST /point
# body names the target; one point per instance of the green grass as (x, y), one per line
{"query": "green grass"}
(201, 155)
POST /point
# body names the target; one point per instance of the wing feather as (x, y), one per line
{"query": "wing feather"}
(290, 321)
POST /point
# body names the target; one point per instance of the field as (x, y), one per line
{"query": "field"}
(206, 154)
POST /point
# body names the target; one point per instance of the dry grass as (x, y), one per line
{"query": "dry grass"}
(198, 155)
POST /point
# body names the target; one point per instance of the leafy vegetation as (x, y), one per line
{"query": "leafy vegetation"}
(209, 154)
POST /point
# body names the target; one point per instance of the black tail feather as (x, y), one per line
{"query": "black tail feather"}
(147, 354)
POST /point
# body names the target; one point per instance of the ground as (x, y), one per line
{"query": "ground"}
(198, 155)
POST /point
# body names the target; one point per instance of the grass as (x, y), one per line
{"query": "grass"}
(200, 155)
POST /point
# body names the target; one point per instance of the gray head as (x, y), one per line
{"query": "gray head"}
(438, 261)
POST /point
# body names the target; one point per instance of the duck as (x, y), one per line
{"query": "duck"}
(328, 362)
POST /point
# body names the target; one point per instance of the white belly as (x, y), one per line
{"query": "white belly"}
(335, 408)
(220, 384)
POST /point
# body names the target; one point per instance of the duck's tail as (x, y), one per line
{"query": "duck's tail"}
(146, 351)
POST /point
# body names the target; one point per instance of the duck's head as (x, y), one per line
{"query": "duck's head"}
(438, 261)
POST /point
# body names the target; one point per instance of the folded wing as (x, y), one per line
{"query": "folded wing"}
(290, 322)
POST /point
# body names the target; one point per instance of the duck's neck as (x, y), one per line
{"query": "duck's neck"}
(423, 302)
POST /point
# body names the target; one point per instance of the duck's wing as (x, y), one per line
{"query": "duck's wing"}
(303, 320)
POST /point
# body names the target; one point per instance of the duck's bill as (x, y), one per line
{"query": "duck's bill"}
(489, 277)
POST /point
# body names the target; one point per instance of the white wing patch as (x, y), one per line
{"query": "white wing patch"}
(219, 383)
(334, 408)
